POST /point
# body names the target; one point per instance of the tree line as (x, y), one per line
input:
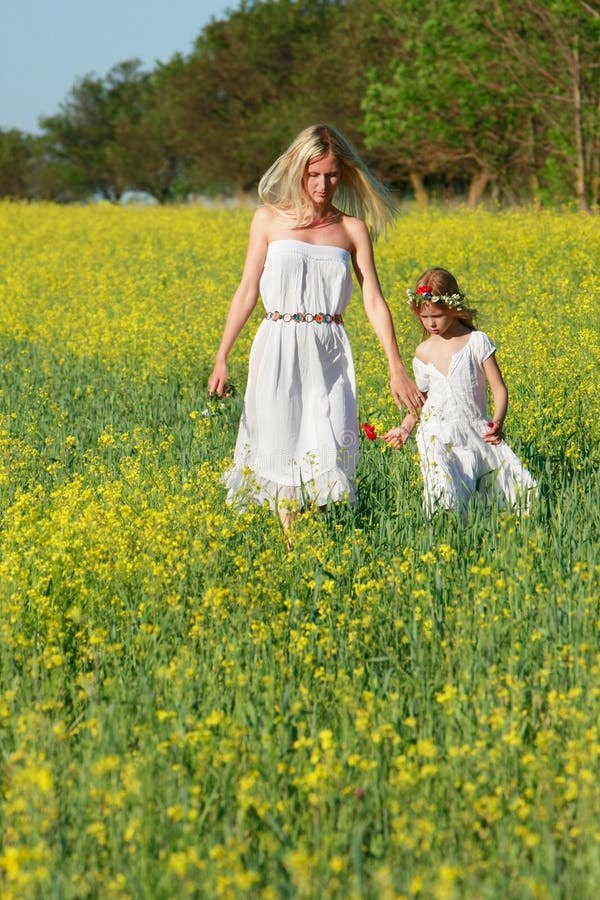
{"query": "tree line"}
(496, 98)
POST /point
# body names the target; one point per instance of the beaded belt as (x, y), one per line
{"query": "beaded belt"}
(276, 316)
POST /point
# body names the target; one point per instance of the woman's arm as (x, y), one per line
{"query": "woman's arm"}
(403, 389)
(243, 301)
(493, 435)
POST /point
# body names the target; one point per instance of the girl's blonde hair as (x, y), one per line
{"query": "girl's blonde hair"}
(358, 192)
(439, 287)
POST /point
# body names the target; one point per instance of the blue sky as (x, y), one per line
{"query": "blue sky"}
(46, 45)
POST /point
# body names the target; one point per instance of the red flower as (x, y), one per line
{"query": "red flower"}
(369, 430)
(425, 290)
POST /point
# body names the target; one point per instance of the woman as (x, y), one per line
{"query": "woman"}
(298, 437)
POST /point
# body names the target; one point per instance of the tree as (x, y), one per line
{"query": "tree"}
(78, 137)
(444, 105)
(555, 46)
(145, 153)
(90, 148)
(254, 80)
(17, 151)
(499, 95)
(497, 92)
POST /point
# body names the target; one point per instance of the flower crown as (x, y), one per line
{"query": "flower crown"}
(424, 294)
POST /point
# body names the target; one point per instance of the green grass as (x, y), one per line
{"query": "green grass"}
(400, 707)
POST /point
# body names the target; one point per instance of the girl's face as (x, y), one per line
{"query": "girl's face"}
(437, 320)
(321, 179)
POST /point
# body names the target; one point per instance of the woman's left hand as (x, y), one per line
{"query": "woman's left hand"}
(405, 391)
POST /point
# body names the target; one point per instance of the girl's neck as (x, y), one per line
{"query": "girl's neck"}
(457, 329)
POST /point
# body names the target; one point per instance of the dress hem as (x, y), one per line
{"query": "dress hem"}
(244, 487)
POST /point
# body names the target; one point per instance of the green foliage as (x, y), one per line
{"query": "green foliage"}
(397, 707)
(501, 96)
(260, 76)
(82, 139)
(16, 155)
(489, 89)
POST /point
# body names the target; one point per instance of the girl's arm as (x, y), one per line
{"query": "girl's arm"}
(493, 435)
(378, 313)
(243, 302)
(399, 435)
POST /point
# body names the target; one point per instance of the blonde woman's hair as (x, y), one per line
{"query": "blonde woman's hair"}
(358, 192)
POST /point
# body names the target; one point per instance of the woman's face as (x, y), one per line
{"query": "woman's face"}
(321, 178)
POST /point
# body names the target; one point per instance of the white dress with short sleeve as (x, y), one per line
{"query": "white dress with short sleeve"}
(298, 434)
(455, 460)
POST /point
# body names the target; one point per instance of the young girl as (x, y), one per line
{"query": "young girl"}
(461, 451)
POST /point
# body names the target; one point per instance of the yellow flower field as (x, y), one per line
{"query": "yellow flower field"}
(400, 708)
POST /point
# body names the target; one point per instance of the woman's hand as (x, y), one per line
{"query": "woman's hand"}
(217, 382)
(405, 391)
(243, 302)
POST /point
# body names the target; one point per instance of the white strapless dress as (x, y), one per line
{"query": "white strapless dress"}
(298, 435)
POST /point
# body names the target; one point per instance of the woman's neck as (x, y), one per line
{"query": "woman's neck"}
(317, 217)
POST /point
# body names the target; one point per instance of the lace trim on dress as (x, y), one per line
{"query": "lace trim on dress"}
(245, 487)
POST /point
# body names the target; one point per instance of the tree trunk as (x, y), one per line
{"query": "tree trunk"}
(477, 187)
(580, 185)
(418, 186)
(534, 182)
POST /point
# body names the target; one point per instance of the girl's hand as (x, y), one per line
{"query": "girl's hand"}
(217, 382)
(493, 435)
(397, 437)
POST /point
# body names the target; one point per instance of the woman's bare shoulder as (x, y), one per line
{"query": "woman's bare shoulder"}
(271, 222)
(355, 234)
(263, 224)
(354, 227)
(263, 216)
